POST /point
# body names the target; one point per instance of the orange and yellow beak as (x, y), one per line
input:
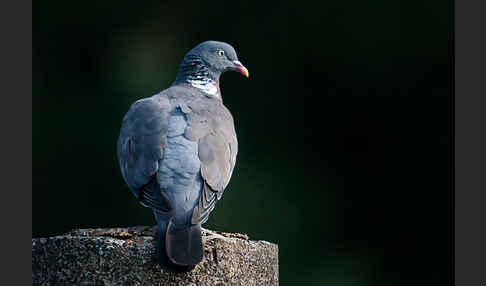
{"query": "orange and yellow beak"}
(239, 67)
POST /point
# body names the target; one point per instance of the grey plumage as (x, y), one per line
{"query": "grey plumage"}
(177, 151)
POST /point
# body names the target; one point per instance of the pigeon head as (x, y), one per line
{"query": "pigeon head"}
(203, 65)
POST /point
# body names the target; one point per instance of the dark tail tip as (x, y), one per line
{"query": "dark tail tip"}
(162, 258)
(184, 245)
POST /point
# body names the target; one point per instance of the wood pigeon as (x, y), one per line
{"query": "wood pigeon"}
(177, 150)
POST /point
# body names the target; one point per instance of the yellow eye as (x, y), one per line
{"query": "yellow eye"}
(220, 53)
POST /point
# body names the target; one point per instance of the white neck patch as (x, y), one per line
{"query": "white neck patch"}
(206, 86)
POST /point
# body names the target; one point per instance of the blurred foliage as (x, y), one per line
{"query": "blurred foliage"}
(343, 127)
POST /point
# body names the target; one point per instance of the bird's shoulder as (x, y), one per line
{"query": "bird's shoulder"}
(146, 110)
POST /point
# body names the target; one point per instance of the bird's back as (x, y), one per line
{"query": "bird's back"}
(179, 169)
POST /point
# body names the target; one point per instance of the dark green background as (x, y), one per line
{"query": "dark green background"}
(343, 127)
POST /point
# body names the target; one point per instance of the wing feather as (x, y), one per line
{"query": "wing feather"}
(212, 125)
(140, 146)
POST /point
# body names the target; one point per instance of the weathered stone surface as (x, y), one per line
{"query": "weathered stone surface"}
(126, 256)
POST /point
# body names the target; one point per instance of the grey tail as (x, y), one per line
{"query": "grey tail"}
(184, 244)
(178, 250)
(162, 257)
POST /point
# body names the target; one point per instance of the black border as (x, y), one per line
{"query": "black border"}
(16, 140)
(451, 142)
(470, 143)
